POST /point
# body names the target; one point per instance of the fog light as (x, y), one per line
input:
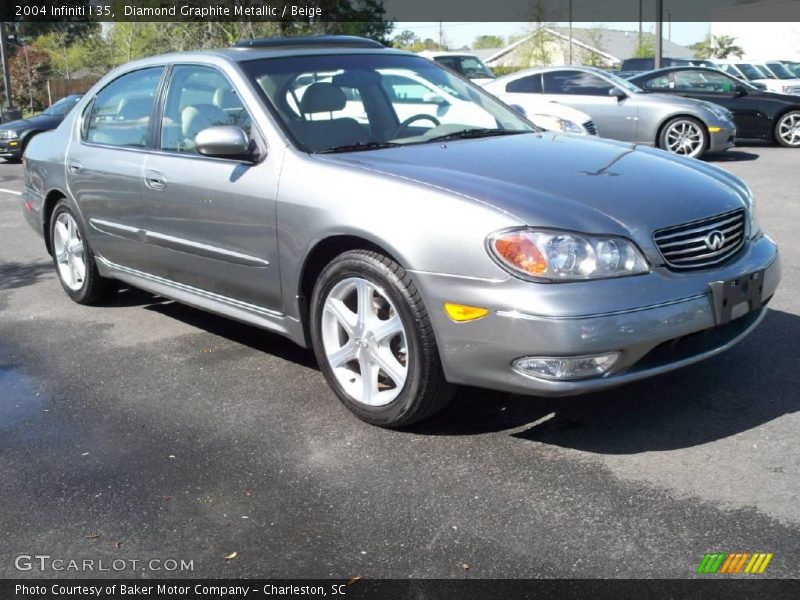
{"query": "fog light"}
(566, 368)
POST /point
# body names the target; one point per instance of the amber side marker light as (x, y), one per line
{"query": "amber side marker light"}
(461, 312)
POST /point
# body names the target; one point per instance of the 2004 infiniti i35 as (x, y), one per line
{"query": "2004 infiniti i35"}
(275, 184)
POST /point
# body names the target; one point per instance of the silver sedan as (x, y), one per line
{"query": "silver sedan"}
(622, 111)
(276, 184)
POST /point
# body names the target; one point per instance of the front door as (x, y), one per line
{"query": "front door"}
(211, 221)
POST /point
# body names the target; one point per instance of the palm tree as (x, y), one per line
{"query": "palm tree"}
(717, 46)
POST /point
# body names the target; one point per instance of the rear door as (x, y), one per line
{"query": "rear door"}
(614, 117)
(211, 221)
(106, 162)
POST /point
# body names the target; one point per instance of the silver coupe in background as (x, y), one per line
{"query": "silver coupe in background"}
(622, 111)
(276, 184)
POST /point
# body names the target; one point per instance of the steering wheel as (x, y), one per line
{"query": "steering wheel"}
(411, 120)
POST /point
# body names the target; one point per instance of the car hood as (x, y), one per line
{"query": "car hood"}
(690, 103)
(566, 182)
(37, 121)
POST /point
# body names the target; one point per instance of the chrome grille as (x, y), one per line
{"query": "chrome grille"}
(590, 127)
(697, 244)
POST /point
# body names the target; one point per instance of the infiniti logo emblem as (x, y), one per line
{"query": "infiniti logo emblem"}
(715, 240)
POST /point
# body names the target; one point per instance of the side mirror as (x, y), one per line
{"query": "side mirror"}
(225, 141)
(433, 98)
(518, 108)
(617, 93)
(740, 90)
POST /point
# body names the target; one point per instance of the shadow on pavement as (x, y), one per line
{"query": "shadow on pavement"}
(729, 156)
(15, 275)
(753, 383)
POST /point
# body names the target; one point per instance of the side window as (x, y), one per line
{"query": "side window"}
(661, 82)
(198, 97)
(575, 83)
(526, 85)
(703, 81)
(120, 113)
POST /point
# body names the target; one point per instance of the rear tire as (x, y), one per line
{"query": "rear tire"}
(684, 136)
(74, 261)
(787, 130)
(367, 316)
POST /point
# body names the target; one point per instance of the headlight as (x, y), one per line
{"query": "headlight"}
(755, 226)
(552, 123)
(562, 256)
(8, 134)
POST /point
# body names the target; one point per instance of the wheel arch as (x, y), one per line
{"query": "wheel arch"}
(318, 257)
(778, 116)
(52, 198)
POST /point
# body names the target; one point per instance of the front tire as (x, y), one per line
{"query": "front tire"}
(684, 136)
(374, 341)
(787, 130)
(74, 260)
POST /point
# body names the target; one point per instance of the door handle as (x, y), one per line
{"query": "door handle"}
(155, 180)
(75, 167)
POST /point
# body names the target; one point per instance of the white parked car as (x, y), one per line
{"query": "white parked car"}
(468, 65)
(759, 73)
(549, 115)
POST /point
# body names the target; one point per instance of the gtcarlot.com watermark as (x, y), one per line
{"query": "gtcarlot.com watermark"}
(47, 563)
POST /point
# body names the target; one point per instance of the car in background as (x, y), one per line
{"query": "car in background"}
(792, 65)
(15, 135)
(758, 114)
(633, 66)
(410, 259)
(465, 64)
(759, 75)
(788, 80)
(552, 116)
(620, 110)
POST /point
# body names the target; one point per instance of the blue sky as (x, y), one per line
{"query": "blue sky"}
(459, 34)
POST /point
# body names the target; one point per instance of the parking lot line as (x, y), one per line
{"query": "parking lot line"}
(16, 193)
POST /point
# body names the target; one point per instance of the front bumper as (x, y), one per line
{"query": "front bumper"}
(10, 148)
(659, 322)
(722, 139)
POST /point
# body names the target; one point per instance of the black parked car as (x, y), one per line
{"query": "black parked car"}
(15, 135)
(757, 114)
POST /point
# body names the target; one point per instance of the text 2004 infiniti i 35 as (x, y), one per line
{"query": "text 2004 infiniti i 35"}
(410, 255)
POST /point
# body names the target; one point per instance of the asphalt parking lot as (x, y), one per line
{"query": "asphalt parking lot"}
(145, 429)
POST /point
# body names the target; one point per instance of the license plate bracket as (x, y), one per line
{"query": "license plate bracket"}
(728, 296)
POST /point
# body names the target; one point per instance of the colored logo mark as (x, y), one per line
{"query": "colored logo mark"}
(735, 562)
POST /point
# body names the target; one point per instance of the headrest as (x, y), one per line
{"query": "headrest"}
(135, 107)
(226, 98)
(197, 117)
(322, 97)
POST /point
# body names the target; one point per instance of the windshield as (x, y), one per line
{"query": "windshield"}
(780, 71)
(62, 107)
(468, 66)
(753, 72)
(347, 102)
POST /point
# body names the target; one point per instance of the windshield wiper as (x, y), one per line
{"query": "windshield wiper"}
(474, 132)
(358, 147)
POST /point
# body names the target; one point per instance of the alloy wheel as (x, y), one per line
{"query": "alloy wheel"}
(789, 129)
(684, 138)
(69, 251)
(365, 342)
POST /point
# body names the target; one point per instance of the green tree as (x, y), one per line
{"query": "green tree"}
(645, 46)
(596, 39)
(717, 46)
(487, 41)
(405, 39)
